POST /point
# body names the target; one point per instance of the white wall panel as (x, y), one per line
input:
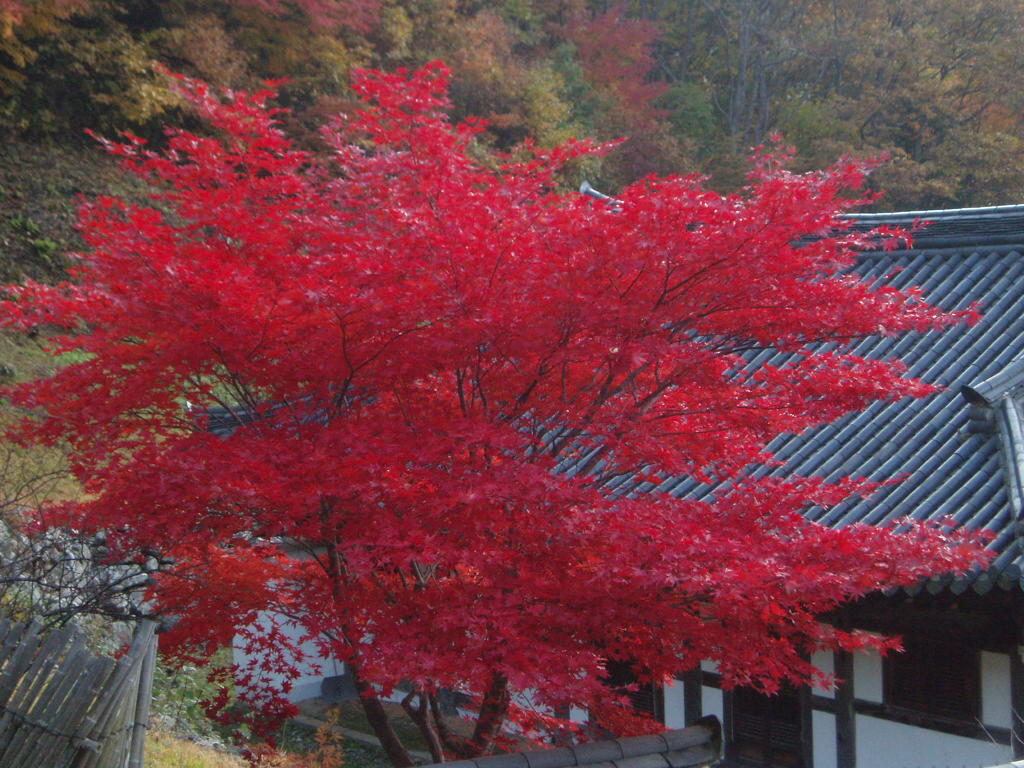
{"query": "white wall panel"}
(711, 702)
(867, 676)
(995, 689)
(675, 707)
(312, 670)
(824, 661)
(885, 744)
(824, 740)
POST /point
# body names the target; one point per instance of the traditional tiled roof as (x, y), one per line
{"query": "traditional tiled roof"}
(698, 745)
(961, 228)
(961, 451)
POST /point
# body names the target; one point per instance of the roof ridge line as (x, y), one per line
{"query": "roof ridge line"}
(991, 390)
(705, 733)
(1011, 440)
(984, 211)
(990, 247)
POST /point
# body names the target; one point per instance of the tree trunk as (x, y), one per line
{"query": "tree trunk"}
(379, 721)
(455, 745)
(492, 715)
(372, 706)
(422, 715)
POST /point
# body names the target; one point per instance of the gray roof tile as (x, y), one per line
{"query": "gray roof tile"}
(698, 745)
(510, 760)
(655, 760)
(597, 751)
(950, 456)
(689, 757)
(694, 736)
(642, 745)
(950, 472)
(550, 758)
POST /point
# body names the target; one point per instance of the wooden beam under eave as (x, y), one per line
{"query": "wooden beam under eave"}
(845, 713)
(806, 727)
(1017, 677)
(1017, 702)
(693, 707)
(727, 725)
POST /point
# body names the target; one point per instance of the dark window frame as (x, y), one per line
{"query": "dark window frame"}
(767, 730)
(648, 698)
(934, 679)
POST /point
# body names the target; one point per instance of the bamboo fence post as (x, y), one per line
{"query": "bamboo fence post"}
(145, 698)
(101, 670)
(109, 709)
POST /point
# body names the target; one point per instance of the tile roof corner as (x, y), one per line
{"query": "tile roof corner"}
(693, 747)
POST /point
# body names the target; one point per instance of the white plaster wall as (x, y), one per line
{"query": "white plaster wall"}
(995, 689)
(825, 661)
(709, 666)
(312, 671)
(823, 727)
(675, 707)
(885, 744)
(867, 676)
(711, 702)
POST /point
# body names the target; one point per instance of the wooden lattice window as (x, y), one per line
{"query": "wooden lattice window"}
(766, 730)
(935, 678)
(647, 698)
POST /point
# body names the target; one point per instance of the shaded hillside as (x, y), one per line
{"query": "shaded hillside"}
(40, 186)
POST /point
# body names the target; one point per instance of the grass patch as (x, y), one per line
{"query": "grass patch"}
(300, 748)
(302, 740)
(25, 357)
(351, 715)
(164, 750)
(28, 475)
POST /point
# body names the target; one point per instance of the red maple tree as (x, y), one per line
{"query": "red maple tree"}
(616, 54)
(424, 373)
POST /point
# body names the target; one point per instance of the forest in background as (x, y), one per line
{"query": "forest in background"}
(693, 84)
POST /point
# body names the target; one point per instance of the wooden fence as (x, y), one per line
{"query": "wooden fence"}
(60, 707)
